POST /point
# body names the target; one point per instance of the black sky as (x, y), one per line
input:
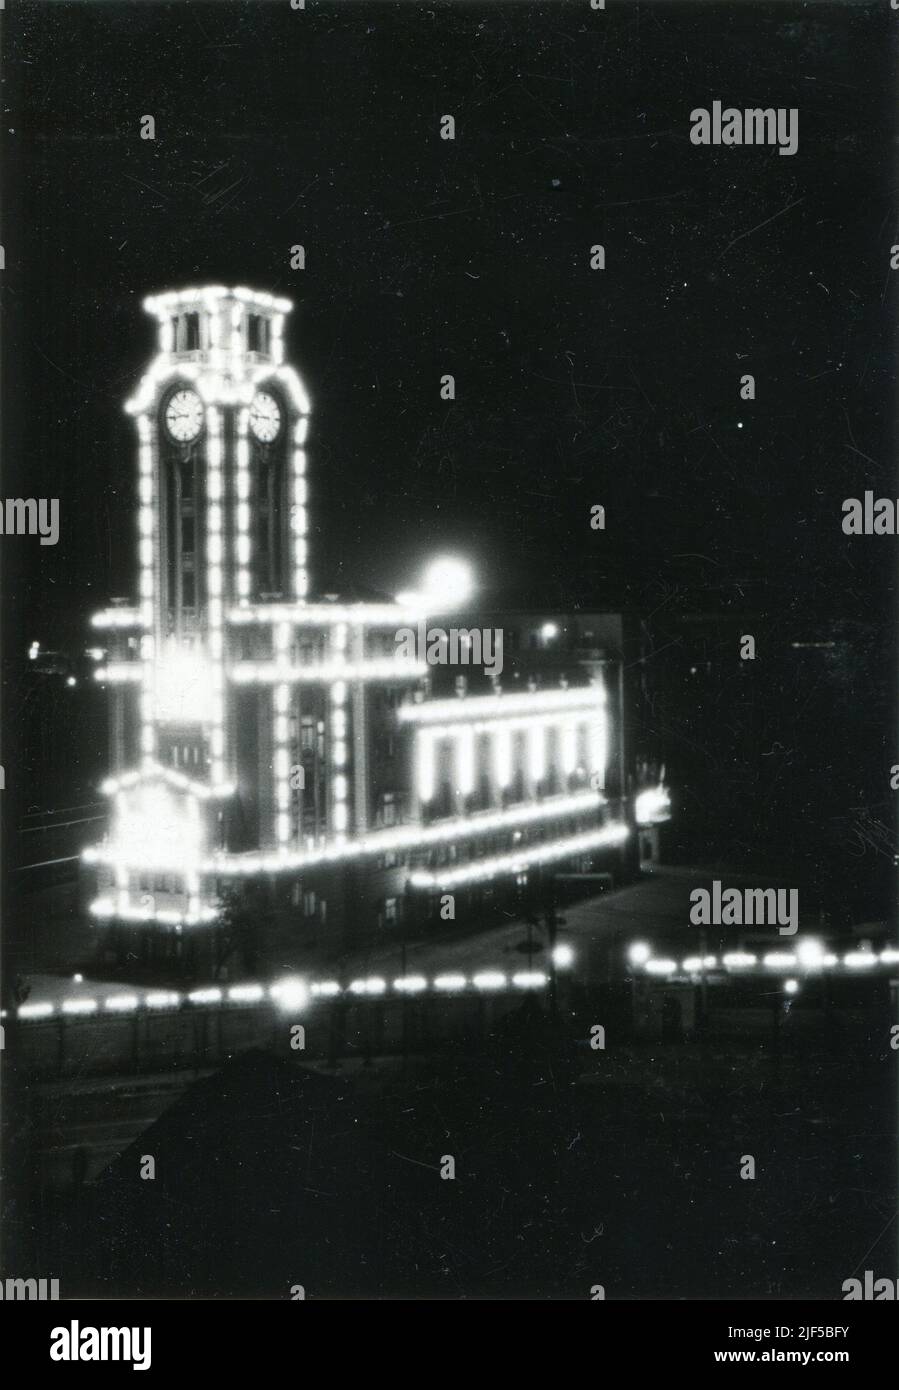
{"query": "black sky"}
(574, 387)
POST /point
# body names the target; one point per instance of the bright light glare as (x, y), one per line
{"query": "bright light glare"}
(292, 993)
(373, 985)
(205, 996)
(245, 994)
(639, 953)
(410, 984)
(652, 805)
(447, 582)
(859, 960)
(489, 979)
(809, 952)
(529, 979)
(41, 1010)
(183, 686)
(737, 960)
(154, 826)
(563, 956)
(162, 999)
(121, 1003)
(325, 989)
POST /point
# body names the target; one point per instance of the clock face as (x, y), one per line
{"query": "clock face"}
(184, 416)
(265, 417)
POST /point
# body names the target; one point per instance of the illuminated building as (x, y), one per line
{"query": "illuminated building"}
(267, 741)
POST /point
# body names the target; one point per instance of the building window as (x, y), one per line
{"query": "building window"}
(257, 333)
(390, 913)
(187, 336)
(296, 894)
(309, 904)
(389, 809)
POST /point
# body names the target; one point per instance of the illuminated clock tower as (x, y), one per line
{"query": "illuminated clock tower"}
(222, 508)
(264, 739)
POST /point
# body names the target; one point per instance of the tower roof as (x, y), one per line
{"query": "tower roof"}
(210, 297)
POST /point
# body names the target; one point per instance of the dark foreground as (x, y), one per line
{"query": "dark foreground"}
(618, 1167)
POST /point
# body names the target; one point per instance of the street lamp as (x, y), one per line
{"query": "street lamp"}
(446, 583)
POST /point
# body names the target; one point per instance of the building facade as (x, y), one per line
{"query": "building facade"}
(280, 749)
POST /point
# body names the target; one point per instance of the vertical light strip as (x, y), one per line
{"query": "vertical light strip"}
(121, 869)
(277, 343)
(148, 530)
(569, 748)
(465, 761)
(214, 596)
(502, 749)
(242, 543)
(237, 339)
(216, 352)
(424, 751)
(339, 782)
(192, 878)
(281, 738)
(599, 740)
(281, 761)
(298, 514)
(537, 752)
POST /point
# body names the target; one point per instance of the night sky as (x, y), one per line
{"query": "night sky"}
(574, 387)
(276, 127)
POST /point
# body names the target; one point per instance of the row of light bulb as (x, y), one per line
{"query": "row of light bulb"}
(809, 956)
(378, 842)
(293, 993)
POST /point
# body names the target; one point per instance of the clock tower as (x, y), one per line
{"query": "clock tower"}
(222, 425)
(260, 736)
